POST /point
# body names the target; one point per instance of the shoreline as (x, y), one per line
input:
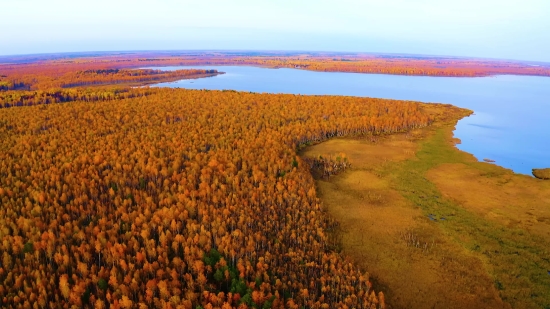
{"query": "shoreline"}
(509, 161)
(415, 208)
(148, 83)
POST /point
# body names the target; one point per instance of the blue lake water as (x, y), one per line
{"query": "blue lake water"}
(511, 124)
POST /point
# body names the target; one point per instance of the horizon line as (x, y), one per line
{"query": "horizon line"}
(313, 52)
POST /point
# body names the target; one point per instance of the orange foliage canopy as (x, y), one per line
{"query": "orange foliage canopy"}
(47, 76)
(179, 196)
(14, 98)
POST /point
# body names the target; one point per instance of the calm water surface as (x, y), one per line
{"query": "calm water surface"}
(511, 124)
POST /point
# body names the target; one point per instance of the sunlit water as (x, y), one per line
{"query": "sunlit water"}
(511, 124)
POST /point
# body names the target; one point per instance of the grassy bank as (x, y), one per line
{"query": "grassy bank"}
(437, 228)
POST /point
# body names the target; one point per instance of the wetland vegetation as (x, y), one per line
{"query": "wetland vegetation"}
(439, 228)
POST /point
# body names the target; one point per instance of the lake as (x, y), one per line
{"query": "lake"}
(511, 124)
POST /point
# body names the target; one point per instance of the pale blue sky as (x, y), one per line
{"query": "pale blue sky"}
(509, 29)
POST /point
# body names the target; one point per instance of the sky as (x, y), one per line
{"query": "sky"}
(505, 29)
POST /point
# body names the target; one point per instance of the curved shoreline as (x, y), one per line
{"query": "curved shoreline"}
(505, 138)
(416, 209)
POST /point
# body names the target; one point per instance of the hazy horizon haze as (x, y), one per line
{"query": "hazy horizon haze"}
(507, 29)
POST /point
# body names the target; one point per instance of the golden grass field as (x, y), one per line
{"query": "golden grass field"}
(434, 227)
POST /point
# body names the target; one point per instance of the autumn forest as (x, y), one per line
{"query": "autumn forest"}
(119, 197)
(115, 195)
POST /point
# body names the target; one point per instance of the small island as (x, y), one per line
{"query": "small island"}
(542, 173)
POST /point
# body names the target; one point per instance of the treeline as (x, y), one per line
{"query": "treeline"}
(103, 70)
(45, 76)
(39, 97)
(116, 76)
(178, 199)
(403, 65)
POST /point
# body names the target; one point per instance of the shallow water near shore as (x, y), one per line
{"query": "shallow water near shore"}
(510, 125)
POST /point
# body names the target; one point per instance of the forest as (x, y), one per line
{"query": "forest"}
(66, 70)
(42, 77)
(17, 67)
(119, 197)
